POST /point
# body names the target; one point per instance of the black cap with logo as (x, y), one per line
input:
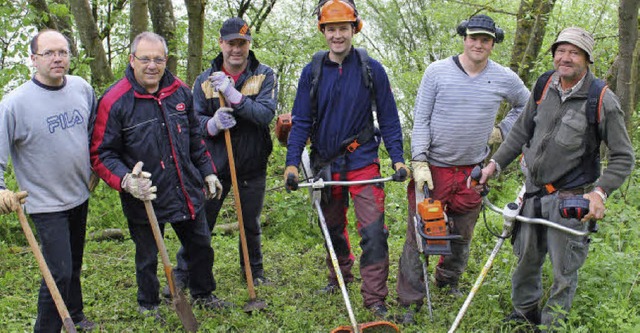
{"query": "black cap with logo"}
(235, 28)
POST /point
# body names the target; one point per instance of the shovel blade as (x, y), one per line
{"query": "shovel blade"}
(184, 311)
(370, 327)
(255, 305)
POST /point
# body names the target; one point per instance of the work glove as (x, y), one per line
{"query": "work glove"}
(496, 136)
(224, 84)
(138, 184)
(10, 201)
(94, 180)
(402, 172)
(291, 178)
(214, 187)
(422, 174)
(223, 119)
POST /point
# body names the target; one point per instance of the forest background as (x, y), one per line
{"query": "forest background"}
(405, 36)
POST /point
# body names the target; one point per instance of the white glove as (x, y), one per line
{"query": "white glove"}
(224, 84)
(422, 174)
(214, 187)
(138, 184)
(496, 136)
(223, 119)
(10, 201)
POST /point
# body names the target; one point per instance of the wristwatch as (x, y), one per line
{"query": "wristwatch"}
(598, 190)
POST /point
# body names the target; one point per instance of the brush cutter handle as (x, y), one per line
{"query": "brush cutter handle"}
(514, 217)
(320, 183)
(67, 322)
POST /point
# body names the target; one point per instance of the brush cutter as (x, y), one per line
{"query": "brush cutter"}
(430, 223)
(510, 215)
(178, 299)
(67, 322)
(370, 327)
(254, 303)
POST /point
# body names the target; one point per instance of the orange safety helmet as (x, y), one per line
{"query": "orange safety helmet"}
(338, 11)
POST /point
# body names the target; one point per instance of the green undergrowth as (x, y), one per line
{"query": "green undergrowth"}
(294, 258)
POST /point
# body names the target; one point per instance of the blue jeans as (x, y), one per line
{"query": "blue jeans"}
(62, 236)
(252, 199)
(194, 237)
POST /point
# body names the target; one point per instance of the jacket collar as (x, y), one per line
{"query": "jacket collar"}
(168, 82)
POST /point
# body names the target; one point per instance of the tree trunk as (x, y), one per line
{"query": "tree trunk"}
(195, 13)
(164, 24)
(628, 53)
(533, 17)
(101, 74)
(138, 18)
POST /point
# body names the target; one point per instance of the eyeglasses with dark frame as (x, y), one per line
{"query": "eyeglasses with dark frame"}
(48, 54)
(146, 61)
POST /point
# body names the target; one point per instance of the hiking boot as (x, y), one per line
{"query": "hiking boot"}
(85, 325)
(532, 317)
(379, 310)
(151, 312)
(407, 317)
(211, 302)
(261, 280)
(330, 289)
(453, 288)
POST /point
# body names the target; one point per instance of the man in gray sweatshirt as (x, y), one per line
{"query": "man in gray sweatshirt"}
(44, 127)
(454, 117)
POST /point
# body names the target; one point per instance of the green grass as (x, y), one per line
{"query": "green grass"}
(606, 300)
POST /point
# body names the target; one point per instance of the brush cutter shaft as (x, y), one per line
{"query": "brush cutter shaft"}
(320, 183)
(336, 266)
(67, 322)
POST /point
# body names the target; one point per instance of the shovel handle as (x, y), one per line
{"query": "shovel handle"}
(162, 248)
(236, 196)
(67, 322)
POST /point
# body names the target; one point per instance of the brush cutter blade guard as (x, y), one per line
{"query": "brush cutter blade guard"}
(371, 327)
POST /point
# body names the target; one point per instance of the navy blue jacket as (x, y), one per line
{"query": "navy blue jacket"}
(160, 130)
(344, 108)
(250, 137)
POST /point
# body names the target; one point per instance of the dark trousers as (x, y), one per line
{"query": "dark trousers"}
(62, 236)
(252, 199)
(196, 240)
(368, 203)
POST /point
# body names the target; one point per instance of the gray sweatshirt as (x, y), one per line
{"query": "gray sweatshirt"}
(454, 114)
(45, 131)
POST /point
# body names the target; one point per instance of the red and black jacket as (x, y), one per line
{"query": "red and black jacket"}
(160, 130)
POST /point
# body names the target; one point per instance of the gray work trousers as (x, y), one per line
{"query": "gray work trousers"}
(566, 252)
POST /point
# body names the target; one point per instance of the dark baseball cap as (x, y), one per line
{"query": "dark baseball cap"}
(481, 24)
(235, 28)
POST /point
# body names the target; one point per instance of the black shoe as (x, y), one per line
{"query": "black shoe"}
(379, 310)
(85, 325)
(211, 302)
(261, 280)
(532, 317)
(151, 312)
(330, 289)
(407, 317)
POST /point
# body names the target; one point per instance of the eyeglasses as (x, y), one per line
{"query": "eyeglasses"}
(146, 61)
(50, 54)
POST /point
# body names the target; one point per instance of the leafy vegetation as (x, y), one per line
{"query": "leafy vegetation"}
(294, 259)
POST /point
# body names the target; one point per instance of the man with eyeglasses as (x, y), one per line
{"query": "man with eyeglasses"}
(250, 90)
(147, 118)
(44, 127)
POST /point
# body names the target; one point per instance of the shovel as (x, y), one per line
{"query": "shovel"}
(178, 300)
(254, 303)
(67, 322)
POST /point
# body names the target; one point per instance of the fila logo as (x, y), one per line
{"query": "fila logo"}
(244, 29)
(180, 107)
(64, 120)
